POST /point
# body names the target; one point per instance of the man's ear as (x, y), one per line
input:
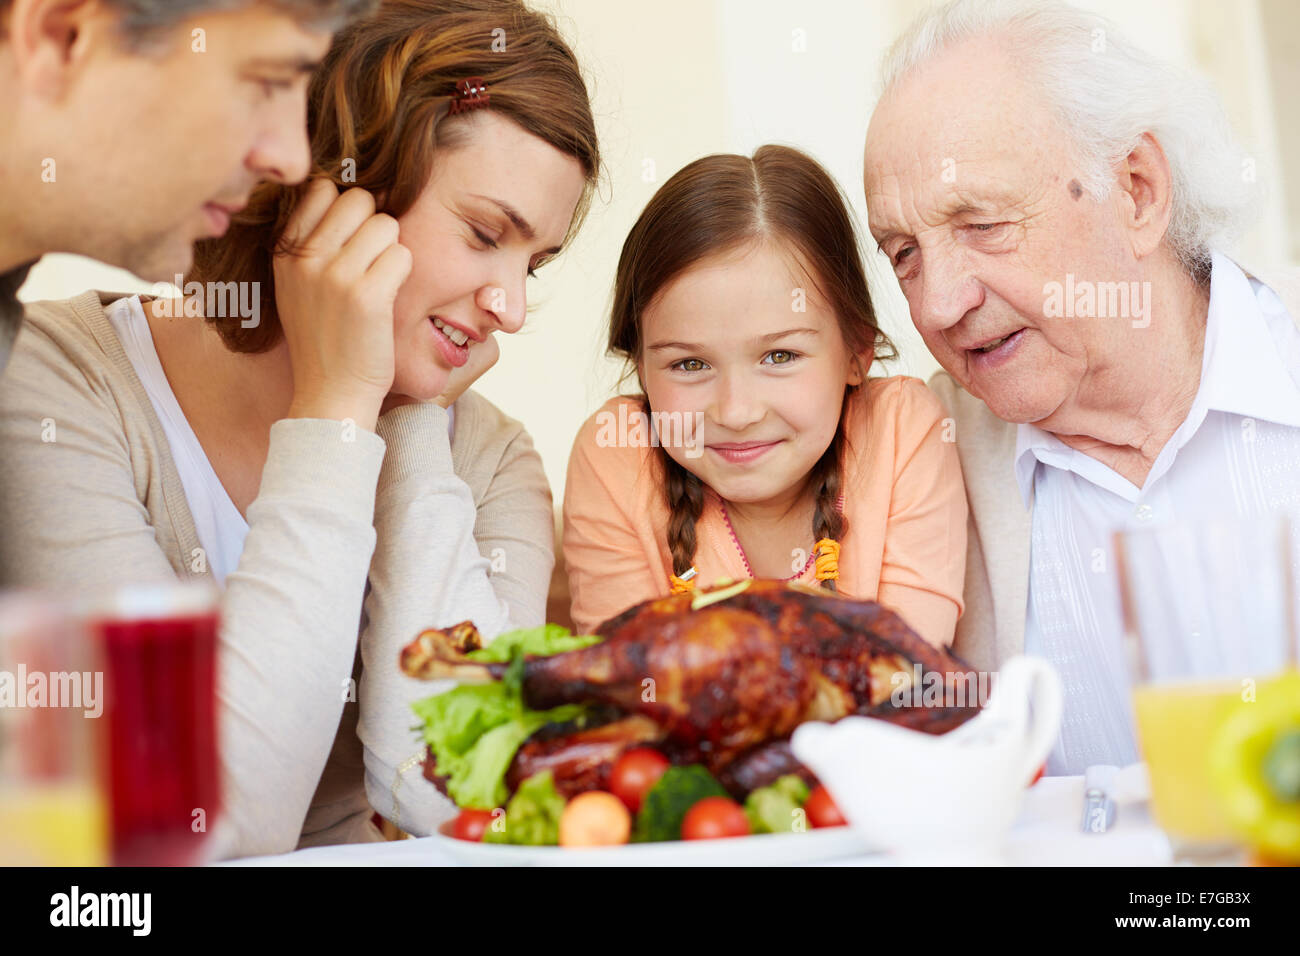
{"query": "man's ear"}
(49, 39)
(1147, 193)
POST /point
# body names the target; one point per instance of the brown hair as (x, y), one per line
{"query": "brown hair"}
(375, 102)
(724, 201)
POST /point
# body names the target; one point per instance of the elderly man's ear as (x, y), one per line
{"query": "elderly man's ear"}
(1145, 189)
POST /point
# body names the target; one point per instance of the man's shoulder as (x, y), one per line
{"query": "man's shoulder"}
(964, 408)
(1284, 280)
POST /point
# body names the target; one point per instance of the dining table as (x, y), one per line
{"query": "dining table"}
(1049, 831)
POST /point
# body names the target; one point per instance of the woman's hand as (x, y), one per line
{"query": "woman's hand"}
(482, 357)
(334, 293)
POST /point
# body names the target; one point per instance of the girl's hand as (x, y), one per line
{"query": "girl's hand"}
(334, 293)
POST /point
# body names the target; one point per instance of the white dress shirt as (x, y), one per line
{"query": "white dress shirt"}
(1236, 454)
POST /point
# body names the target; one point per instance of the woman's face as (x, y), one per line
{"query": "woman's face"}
(727, 345)
(498, 204)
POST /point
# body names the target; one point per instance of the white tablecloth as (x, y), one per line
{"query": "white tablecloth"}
(1047, 833)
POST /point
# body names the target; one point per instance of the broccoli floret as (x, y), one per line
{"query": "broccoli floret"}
(667, 802)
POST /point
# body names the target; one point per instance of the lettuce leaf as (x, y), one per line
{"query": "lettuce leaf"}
(533, 814)
(474, 730)
(541, 641)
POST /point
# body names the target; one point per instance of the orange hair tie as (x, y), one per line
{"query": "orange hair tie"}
(683, 584)
(828, 559)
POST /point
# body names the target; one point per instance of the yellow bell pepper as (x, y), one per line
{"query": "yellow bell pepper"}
(1254, 759)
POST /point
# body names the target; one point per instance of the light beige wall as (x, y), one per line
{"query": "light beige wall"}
(678, 79)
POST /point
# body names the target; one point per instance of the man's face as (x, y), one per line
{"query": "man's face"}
(153, 148)
(973, 193)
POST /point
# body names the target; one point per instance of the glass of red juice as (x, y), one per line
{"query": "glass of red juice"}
(158, 644)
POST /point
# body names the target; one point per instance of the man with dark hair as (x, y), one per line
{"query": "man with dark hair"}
(133, 128)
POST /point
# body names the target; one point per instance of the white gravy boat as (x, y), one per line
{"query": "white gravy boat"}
(950, 798)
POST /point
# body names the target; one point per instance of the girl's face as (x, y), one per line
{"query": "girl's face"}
(496, 207)
(727, 339)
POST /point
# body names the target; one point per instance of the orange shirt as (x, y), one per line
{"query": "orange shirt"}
(903, 501)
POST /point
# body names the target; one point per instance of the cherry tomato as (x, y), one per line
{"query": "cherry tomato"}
(821, 809)
(635, 772)
(471, 824)
(715, 817)
(595, 818)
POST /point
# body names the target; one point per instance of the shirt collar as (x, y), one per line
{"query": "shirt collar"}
(1241, 374)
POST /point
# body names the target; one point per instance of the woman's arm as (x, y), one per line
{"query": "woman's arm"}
(441, 560)
(74, 520)
(924, 562)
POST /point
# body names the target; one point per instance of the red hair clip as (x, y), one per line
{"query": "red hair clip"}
(470, 95)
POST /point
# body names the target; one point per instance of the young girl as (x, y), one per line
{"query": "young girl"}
(759, 447)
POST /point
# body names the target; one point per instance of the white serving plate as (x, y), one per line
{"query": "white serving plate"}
(767, 849)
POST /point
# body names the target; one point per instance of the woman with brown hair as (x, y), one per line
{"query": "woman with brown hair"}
(275, 449)
(759, 447)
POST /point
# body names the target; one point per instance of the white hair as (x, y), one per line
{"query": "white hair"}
(1106, 93)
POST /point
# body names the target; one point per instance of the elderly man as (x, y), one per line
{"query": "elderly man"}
(1054, 203)
(134, 127)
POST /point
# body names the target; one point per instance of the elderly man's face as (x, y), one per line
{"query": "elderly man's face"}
(972, 193)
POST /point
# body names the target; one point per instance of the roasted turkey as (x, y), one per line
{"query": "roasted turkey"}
(720, 678)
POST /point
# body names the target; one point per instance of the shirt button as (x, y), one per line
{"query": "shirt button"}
(1144, 513)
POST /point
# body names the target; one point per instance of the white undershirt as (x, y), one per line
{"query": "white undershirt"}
(220, 526)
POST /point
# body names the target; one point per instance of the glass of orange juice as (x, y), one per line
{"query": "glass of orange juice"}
(1209, 614)
(52, 809)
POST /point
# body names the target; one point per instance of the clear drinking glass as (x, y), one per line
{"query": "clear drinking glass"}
(159, 646)
(1210, 615)
(52, 808)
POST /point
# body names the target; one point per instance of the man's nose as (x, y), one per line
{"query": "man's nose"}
(945, 291)
(281, 152)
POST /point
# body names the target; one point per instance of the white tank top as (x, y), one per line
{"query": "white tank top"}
(220, 526)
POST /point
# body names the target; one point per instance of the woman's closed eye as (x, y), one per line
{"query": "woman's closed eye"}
(483, 237)
(490, 243)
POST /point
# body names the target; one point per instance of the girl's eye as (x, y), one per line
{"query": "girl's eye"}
(689, 365)
(780, 357)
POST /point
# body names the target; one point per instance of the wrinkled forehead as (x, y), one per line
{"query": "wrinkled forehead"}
(959, 127)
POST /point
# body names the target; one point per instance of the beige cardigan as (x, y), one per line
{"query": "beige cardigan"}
(11, 310)
(90, 498)
(992, 628)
